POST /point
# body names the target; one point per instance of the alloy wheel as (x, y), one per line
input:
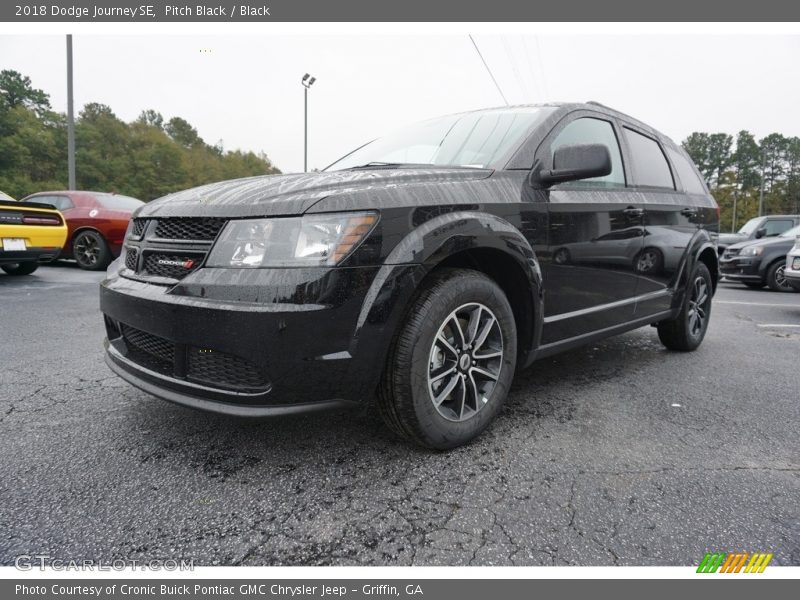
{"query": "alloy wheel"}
(465, 362)
(647, 260)
(780, 278)
(698, 306)
(87, 250)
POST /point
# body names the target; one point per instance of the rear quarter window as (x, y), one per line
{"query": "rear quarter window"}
(690, 180)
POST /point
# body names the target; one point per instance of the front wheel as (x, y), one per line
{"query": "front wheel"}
(25, 268)
(686, 332)
(776, 279)
(451, 365)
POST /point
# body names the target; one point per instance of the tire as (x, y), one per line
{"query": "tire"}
(756, 285)
(685, 333)
(90, 251)
(427, 357)
(562, 257)
(649, 260)
(25, 268)
(775, 278)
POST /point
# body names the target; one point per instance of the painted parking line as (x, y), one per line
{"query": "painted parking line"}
(756, 303)
(777, 325)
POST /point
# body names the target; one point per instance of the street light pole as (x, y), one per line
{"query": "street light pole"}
(761, 188)
(70, 119)
(305, 129)
(307, 82)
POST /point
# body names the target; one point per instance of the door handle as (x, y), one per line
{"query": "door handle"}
(689, 212)
(633, 211)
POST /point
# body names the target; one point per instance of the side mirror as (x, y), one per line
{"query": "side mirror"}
(761, 232)
(571, 163)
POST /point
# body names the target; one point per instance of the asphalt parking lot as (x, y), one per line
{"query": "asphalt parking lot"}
(617, 453)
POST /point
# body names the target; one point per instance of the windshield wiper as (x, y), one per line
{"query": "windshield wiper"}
(376, 164)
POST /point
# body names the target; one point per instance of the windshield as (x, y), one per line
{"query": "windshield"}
(475, 139)
(750, 226)
(116, 202)
(793, 232)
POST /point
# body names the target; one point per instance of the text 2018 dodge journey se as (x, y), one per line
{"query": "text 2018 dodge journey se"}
(419, 271)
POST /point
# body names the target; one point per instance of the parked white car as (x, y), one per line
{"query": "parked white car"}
(792, 270)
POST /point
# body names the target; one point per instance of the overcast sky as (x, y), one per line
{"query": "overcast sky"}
(245, 90)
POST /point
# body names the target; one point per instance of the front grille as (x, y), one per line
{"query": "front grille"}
(223, 370)
(163, 351)
(131, 254)
(173, 266)
(139, 225)
(189, 228)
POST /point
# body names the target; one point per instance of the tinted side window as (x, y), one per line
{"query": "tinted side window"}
(587, 130)
(777, 226)
(688, 176)
(650, 166)
(60, 202)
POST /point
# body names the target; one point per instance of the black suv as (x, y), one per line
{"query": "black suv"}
(760, 263)
(757, 228)
(423, 269)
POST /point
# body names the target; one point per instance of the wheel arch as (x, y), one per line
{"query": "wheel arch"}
(83, 228)
(709, 257)
(475, 240)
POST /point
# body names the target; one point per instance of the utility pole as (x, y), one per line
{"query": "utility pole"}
(761, 189)
(70, 119)
(307, 82)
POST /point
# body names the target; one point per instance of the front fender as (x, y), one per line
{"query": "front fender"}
(427, 246)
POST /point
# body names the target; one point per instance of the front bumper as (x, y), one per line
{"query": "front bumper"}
(253, 342)
(792, 271)
(741, 268)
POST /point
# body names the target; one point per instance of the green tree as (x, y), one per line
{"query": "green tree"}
(151, 117)
(17, 90)
(747, 161)
(183, 133)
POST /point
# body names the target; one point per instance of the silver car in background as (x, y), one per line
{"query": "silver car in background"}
(792, 270)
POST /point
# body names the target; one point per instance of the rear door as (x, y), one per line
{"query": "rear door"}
(671, 219)
(594, 232)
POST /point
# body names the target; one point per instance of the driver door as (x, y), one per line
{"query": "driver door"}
(594, 234)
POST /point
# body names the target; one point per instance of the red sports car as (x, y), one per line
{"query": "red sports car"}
(97, 222)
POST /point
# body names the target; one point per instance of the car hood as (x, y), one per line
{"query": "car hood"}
(731, 238)
(285, 195)
(773, 241)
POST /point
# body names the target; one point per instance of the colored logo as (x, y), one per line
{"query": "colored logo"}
(734, 562)
(186, 264)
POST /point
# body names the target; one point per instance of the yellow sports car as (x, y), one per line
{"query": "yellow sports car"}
(30, 234)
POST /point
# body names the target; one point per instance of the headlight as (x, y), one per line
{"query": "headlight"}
(312, 240)
(752, 251)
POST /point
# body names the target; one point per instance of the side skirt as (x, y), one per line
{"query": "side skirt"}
(592, 336)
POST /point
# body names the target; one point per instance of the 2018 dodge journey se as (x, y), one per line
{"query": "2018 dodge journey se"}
(419, 271)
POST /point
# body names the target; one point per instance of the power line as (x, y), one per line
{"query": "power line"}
(531, 71)
(521, 83)
(541, 66)
(488, 70)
